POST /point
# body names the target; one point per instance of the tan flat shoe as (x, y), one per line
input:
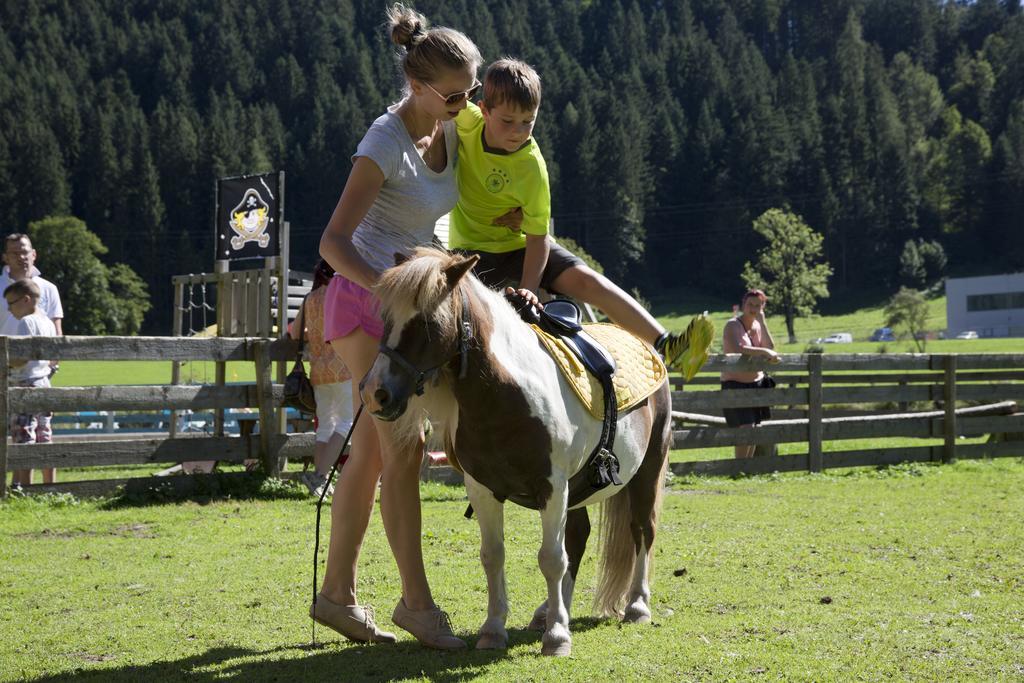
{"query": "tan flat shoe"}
(355, 622)
(430, 626)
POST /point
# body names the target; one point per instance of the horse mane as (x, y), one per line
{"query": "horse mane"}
(417, 285)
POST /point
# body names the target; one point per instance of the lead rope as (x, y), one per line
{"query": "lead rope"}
(319, 507)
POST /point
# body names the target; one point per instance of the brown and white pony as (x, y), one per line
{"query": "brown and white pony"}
(457, 351)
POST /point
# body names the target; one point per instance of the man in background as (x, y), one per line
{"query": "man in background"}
(20, 264)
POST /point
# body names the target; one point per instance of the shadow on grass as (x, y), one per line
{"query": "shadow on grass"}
(218, 486)
(335, 660)
(204, 489)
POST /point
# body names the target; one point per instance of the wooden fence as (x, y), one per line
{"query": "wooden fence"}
(270, 446)
(814, 384)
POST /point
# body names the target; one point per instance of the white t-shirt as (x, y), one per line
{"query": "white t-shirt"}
(34, 325)
(413, 196)
(49, 297)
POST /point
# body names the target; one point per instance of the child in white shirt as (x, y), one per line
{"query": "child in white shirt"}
(27, 319)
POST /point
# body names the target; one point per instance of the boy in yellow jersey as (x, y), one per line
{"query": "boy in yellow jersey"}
(505, 206)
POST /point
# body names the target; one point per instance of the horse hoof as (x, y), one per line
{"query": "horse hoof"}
(557, 649)
(557, 642)
(637, 614)
(492, 641)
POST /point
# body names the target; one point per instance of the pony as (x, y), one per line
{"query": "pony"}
(457, 351)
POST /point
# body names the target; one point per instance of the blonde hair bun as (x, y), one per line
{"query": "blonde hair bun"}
(406, 26)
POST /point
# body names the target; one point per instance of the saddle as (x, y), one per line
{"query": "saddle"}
(639, 370)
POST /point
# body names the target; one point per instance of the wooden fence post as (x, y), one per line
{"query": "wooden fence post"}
(224, 314)
(265, 398)
(283, 266)
(814, 412)
(5, 419)
(179, 303)
(949, 399)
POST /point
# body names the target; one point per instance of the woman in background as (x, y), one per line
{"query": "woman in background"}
(748, 334)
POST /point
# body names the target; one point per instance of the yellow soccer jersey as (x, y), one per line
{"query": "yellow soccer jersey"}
(490, 185)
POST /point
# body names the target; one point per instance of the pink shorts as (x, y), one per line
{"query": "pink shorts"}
(348, 306)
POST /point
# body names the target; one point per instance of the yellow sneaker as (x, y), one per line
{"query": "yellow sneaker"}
(686, 353)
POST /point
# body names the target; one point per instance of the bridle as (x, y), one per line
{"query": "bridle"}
(420, 377)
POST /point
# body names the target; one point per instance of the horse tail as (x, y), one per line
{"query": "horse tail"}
(623, 529)
(617, 555)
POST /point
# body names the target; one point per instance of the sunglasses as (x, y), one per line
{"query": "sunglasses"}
(456, 97)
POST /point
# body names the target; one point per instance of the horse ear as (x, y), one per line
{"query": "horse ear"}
(458, 268)
(400, 258)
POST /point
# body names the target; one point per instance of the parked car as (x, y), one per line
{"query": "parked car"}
(967, 334)
(882, 334)
(838, 338)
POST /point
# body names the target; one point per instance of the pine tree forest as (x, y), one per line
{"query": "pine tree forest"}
(668, 126)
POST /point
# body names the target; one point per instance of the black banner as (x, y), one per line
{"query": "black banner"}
(249, 216)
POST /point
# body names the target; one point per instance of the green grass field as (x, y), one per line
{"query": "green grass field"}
(907, 573)
(93, 373)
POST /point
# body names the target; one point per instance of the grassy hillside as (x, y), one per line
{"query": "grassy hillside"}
(676, 312)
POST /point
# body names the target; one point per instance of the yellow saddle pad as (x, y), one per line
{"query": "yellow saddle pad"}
(639, 370)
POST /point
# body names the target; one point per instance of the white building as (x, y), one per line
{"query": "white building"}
(993, 306)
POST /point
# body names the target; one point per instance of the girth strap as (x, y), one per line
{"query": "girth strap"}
(561, 318)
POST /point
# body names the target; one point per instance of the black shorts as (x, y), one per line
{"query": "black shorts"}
(734, 417)
(498, 271)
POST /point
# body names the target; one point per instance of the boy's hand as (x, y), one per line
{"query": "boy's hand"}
(511, 219)
(527, 296)
(525, 303)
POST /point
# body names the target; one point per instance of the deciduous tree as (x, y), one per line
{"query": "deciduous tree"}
(788, 268)
(97, 299)
(907, 312)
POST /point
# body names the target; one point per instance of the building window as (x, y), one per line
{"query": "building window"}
(995, 302)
